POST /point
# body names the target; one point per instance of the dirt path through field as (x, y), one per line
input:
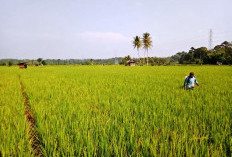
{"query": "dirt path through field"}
(32, 134)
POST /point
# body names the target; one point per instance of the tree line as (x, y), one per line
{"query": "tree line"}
(221, 54)
(40, 61)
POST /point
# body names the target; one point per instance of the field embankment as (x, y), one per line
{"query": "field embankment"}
(32, 133)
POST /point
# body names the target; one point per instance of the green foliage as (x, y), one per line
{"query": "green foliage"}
(13, 139)
(137, 43)
(10, 63)
(199, 61)
(147, 43)
(125, 59)
(221, 53)
(177, 57)
(39, 60)
(2, 63)
(91, 62)
(44, 62)
(118, 111)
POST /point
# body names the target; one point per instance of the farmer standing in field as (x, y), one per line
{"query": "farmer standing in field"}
(190, 81)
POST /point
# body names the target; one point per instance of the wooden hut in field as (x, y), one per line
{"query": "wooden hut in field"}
(23, 65)
(131, 63)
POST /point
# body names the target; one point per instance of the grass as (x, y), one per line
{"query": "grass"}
(13, 140)
(119, 111)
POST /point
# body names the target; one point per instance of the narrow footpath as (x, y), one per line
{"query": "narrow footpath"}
(32, 134)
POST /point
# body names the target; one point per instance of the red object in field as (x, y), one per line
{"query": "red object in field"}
(22, 65)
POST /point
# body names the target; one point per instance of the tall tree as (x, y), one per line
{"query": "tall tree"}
(10, 63)
(39, 60)
(125, 59)
(44, 62)
(147, 43)
(137, 44)
(91, 62)
(58, 61)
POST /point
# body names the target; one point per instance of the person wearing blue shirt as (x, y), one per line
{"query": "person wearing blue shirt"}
(190, 81)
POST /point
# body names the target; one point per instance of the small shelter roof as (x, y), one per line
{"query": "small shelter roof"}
(22, 63)
(131, 61)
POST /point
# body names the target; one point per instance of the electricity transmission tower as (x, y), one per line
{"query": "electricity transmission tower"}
(210, 39)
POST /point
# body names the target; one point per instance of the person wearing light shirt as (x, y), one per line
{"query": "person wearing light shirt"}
(190, 81)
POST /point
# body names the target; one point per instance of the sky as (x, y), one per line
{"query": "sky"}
(84, 29)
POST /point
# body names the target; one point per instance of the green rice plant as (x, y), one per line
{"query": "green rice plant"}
(130, 111)
(13, 141)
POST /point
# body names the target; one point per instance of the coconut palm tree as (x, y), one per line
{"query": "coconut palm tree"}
(147, 43)
(137, 44)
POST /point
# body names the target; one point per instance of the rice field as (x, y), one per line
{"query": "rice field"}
(117, 111)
